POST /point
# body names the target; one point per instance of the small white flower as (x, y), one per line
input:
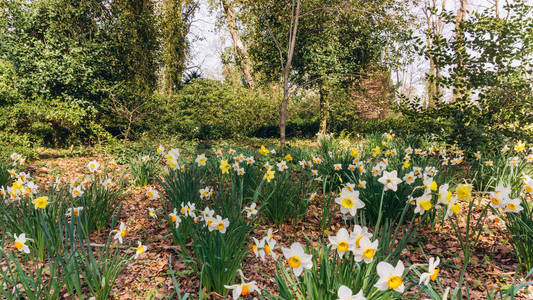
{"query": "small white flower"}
(243, 289)
(344, 293)
(151, 212)
(250, 210)
(337, 167)
(297, 258)
(367, 250)
(108, 183)
(93, 166)
(349, 202)
(390, 277)
(152, 193)
(121, 233)
(390, 180)
(282, 166)
(140, 249)
(201, 160)
(20, 243)
(74, 211)
(343, 242)
(432, 273)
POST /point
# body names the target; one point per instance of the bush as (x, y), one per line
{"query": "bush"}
(208, 109)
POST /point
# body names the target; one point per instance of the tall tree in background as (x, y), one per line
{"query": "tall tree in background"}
(175, 25)
(134, 54)
(239, 48)
(321, 44)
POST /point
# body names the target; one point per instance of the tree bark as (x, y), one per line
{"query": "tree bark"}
(324, 111)
(240, 51)
(295, 16)
(459, 38)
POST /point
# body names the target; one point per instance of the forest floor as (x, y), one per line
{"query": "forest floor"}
(493, 262)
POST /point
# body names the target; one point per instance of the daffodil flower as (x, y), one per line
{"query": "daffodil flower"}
(139, 250)
(20, 243)
(121, 233)
(390, 277)
(432, 273)
(342, 242)
(297, 258)
(93, 166)
(345, 293)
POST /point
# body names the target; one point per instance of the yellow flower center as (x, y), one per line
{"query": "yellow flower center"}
(76, 192)
(294, 262)
(267, 249)
(173, 219)
(434, 275)
(529, 188)
(140, 249)
(123, 233)
(18, 245)
(254, 247)
(220, 225)
(150, 194)
(41, 202)
(495, 200)
(245, 290)
(92, 166)
(455, 208)
(210, 222)
(347, 202)
(369, 253)
(183, 210)
(342, 246)
(75, 211)
(433, 186)
(511, 206)
(394, 282)
(426, 205)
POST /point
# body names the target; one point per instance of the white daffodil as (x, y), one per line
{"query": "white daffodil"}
(367, 250)
(219, 224)
(444, 194)
(390, 277)
(500, 196)
(77, 192)
(423, 204)
(20, 243)
(344, 293)
(140, 249)
(151, 212)
(250, 210)
(337, 167)
(108, 183)
(513, 205)
(390, 180)
(282, 165)
(409, 178)
(152, 193)
(243, 289)
(264, 247)
(93, 166)
(201, 160)
(207, 213)
(432, 272)
(362, 184)
(74, 211)
(121, 233)
(174, 218)
(358, 233)
(349, 202)
(453, 207)
(343, 242)
(297, 258)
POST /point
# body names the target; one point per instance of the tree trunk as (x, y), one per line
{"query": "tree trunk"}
(240, 51)
(459, 38)
(324, 111)
(295, 16)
